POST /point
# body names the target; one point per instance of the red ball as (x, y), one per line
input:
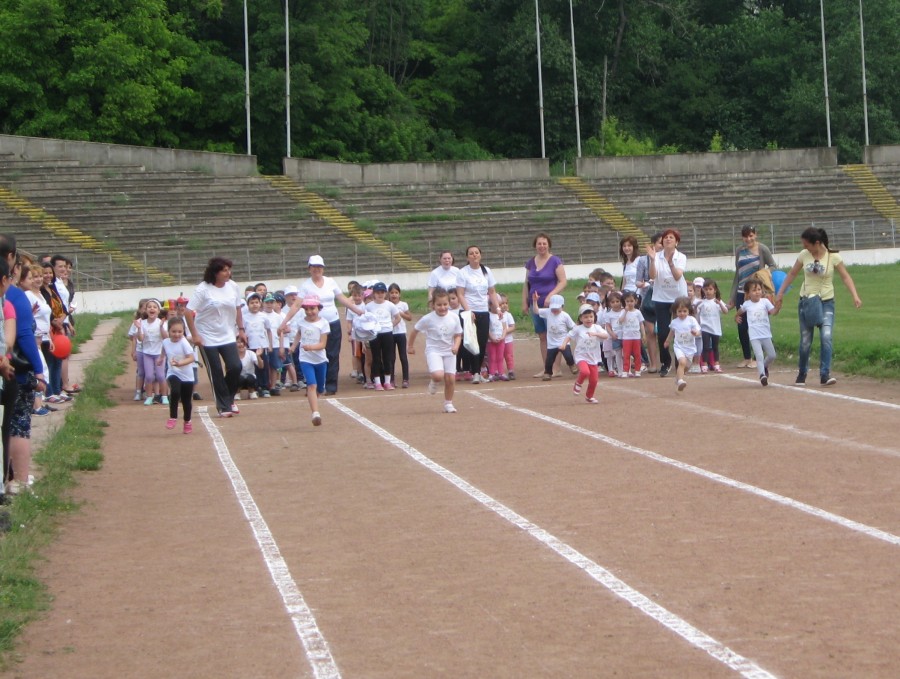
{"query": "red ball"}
(62, 346)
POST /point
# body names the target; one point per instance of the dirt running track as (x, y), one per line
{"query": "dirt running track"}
(730, 530)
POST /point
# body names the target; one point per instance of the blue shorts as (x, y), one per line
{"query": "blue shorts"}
(314, 375)
(274, 359)
(539, 323)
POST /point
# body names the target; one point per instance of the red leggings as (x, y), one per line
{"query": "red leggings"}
(631, 348)
(587, 371)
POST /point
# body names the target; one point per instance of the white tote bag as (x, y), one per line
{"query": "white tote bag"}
(470, 334)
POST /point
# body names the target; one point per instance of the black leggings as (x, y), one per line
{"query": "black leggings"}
(743, 330)
(382, 355)
(224, 384)
(400, 343)
(551, 358)
(180, 391)
(663, 319)
(472, 363)
(710, 348)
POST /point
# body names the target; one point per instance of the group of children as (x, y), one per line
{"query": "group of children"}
(608, 334)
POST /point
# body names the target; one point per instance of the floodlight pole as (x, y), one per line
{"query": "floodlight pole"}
(825, 70)
(537, 24)
(247, 75)
(575, 79)
(862, 47)
(287, 77)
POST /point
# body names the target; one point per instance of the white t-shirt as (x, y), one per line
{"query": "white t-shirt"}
(631, 325)
(326, 294)
(385, 313)
(495, 327)
(132, 332)
(216, 310)
(756, 316)
(710, 313)
(683, 339)
(256, 327)
(511, 325)
(476, 284)
(439, 332)
(400, 328)
(311, 333)
(665, 287)
(41, 315)
(443, 278)
(588, 343)
(248, 363)
(179, 351)
(612, 319)
(629, 276)
(558, 326)
(153, 339)
(275, 321)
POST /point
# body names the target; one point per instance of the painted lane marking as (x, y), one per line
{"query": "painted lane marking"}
(856, 526)
(314, 644)
(817, 392)
(663, 616)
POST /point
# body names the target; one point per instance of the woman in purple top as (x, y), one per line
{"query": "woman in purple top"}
(546, 275)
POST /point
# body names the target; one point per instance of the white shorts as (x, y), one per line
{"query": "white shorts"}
(685, 352)
(440, 362)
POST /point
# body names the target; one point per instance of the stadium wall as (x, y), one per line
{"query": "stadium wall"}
(881, 155)
(307, 171)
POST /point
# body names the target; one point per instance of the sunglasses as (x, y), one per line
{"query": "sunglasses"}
(815, 267)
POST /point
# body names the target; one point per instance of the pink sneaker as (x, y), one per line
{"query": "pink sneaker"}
(170, 423)
(378, 387)
(576, 389)
(188, 427)
(717, 368)
(235, 409)
(389, 386)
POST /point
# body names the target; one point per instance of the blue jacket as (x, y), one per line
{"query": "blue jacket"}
(25, 339)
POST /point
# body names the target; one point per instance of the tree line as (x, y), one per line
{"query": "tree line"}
(394, 80)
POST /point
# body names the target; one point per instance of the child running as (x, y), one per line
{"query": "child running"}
(312, 336)
(151, 333)
(588, 339)
(710, 310)
(559, 323)
(443, 335)
(178, 355)
(757, 309)
(683, 330)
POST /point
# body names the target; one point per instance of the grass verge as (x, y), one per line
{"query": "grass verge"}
(33, 519)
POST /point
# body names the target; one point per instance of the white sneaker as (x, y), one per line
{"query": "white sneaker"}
(694, 370)
(448, 408)
(432, 387)
(476, 378)
(253, 395)
(316, 419)
(237, 397)
(680, 385)
(137, 396)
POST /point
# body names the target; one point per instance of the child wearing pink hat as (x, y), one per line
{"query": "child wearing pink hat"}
(311, 337)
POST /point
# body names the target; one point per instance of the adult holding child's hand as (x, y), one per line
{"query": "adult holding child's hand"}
(213, 313)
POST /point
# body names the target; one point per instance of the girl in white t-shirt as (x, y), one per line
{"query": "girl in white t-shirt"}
(588, 338)
(631, 324)
(137, 350)
(311, 338)
(612, 323)
(383, 345)
(508, 351)
(443, 334)
(683, 328)
(709, 311)
(151, 333)
(400, 332)
(756, 309)
(178, 357)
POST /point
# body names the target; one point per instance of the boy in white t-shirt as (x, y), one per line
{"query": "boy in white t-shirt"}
(756, 310)
(443, 335)
(559, 323)
(273, 357)
(258, 329)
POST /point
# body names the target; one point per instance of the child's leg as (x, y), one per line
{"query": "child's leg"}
(175, 388)
(759, 355)
(584, 372)
(495, 357)
(769, 350)
(161, 379)
(187, 403)
(377, 347)
(400, 345)
(620, 364)
(567, 354)
(684, 363)
(149, 372)
(551, 359)
(139, 376)
(509, 355)
(593, 379)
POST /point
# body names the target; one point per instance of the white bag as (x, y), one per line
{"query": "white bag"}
(365, 327)
(470, 334)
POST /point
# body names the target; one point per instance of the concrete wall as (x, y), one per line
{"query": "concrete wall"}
(311, 171)
(881, 155)
(107, 301)
(705, 163)
(152, 159)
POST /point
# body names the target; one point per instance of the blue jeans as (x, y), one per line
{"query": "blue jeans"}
(806, 340)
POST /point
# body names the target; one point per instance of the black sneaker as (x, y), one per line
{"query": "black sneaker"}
(157, 399)
(828, 381)
(197, 397)
(664, 371)
(801, 380)
(764, 380)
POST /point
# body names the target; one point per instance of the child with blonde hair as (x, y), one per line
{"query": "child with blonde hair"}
(683, 329)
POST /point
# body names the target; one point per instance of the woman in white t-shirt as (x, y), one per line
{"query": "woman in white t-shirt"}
(476, 288)
(443, 276)
(213, 314)
(328, 292)
(667, 271)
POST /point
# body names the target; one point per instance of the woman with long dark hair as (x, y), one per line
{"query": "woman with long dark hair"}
(214, 318)
(476, 288)
(667, 271)
(748, 260)
(816, 308)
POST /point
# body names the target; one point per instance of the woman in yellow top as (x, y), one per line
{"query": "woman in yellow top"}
(816, 308)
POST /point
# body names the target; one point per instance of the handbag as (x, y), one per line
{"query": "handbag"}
(19, 361)
(812, 312)
(470, 333)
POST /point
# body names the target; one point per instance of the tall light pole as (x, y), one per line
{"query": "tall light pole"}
(537, 30)
(287, 77)
(825, 69)
(862, 47)
(575, 79)
(247, 76)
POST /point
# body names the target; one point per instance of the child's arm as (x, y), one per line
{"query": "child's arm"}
(269, 337)
(411, 341)
(162, 357)
(739, 315)
(318, 346)
(259, 362)
(405, 315)
(534, 304)
(163, 330)
(695, 328)
(457, 340)
(187, 360)
(395, 319)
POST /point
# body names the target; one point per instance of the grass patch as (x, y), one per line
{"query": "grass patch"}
(325, 190)
(33, 519)
(407, 219)
(365, 224)
(300, 213)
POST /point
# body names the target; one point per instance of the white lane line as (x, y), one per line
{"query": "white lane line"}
(862, 528)
(663, 616)
(811, 391)
(314, 644)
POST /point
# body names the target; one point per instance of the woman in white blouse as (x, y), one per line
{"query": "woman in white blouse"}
(667, 271)
(443, 276)
(476, 287)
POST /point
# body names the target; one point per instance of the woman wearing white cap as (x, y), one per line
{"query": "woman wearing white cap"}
(328, 292)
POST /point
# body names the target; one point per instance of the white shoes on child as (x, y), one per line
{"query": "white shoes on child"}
(316, 419)
(448, 408)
